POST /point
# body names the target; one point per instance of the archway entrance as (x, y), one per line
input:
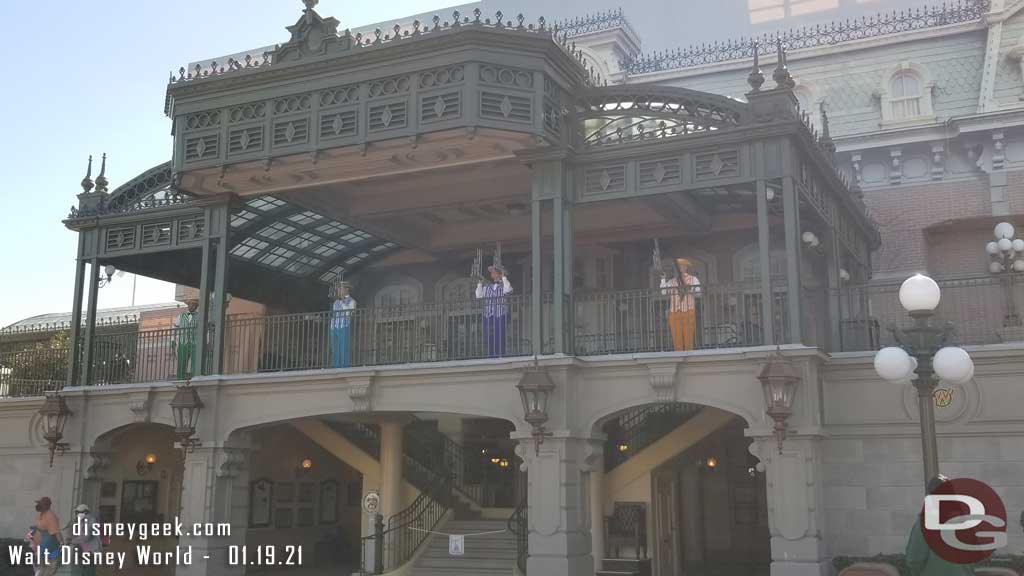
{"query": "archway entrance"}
(711, 513)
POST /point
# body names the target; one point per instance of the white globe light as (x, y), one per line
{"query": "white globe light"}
(809, 238)
(1018, 245)
(953, 364)
(844, 275)
(1005, 245)
(995, 267)
(1004, 230)
(893, 364)
(992, 248)
(1018, 265)
(919, 293)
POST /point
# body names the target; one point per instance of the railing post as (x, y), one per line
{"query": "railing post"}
(378, 544)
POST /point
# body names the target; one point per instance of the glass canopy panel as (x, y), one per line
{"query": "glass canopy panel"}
(279, 235)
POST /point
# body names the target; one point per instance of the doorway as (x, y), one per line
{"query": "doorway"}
(711, 512)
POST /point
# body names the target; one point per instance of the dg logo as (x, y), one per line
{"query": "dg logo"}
(964, 521)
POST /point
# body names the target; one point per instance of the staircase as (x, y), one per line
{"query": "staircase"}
(487, 555)
(625, 567)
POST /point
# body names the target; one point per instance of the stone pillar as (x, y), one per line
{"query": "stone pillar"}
(796, 516)
(597, 514)
(215, 491)
(558, 539)
(692, 521)
(390, 467)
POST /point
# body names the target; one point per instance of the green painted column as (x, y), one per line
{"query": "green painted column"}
(537, 288)
(791, 217)
(202, 353)
(764, 240)
(90, 322)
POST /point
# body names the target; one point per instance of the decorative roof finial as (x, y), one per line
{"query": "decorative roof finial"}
(756, 77)
(310, 4)
(87, 181)
(101, 180)
(783, 79)
(826, 137)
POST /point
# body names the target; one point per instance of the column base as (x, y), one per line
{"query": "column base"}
(561, 565)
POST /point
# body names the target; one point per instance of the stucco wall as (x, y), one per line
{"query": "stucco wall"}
(25, 474)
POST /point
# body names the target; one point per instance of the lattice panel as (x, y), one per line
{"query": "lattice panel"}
(660, 172)
(388, 116)
(506, 107)
(201, 120)
(158, 234)
(605, 179)
(191, 229)
(439, 107)
(389, 87)
(245, 140)
(718, 164)
(442, 76)
(246, 112)
(506, 76)
(201, 147)
(340, 95)
(122, 238)
(339, 124)
(291, 132)
(298, 103)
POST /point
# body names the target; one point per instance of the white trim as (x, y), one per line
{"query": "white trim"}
(925, 114)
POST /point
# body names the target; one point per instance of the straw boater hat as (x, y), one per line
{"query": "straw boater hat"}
(683, 261)
(500, 269)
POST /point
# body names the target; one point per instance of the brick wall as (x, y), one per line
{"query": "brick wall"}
(904, 212)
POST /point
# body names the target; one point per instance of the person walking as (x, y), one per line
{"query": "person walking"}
(47, 538)
(82, 537)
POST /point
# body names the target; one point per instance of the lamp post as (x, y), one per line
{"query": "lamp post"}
(535, 389)
(923, 357)
(1006, 255)
(55, 414)
(186, 406)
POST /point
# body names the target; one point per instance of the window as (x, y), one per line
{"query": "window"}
(905, 96)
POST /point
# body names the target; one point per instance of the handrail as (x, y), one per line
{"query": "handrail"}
(409, 528)
(518, 525)
(640, 427)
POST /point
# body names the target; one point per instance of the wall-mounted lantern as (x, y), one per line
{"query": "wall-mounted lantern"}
(145, 465)
(186, 406)
(535, 389)
(779, 378)
(55, 414)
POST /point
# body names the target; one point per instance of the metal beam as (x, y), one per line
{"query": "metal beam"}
(764, 240)
(90, 321)
(76, 315)
(791, 219)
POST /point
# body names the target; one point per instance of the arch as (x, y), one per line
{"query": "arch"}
(405, 291)
(599, 419)
(453, 287)
(746, 264)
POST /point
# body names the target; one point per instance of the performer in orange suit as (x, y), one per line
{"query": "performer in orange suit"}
(682, 311)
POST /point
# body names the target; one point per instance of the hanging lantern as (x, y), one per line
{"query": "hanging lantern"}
(779, 378)
(55, 414)
(186, 406)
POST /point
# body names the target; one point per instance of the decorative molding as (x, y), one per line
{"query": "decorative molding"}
(896, 171)
(938, 160)
(231, 461)
(139, 404)
(99, 461)
(593, 455)
(663, 380)
(360, 391)
(998, 153)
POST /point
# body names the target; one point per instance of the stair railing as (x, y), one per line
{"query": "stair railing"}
(640, 427)
(519, 527)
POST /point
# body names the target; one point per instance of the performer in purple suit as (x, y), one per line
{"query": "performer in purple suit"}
(495, 309)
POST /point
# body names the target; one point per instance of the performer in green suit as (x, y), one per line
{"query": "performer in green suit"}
(185, 344)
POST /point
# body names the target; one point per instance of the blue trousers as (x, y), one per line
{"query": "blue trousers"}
(494, 335)
(339, 347)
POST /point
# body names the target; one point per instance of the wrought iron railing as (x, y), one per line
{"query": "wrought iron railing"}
(981, 309)
(518, 525)
(377, 336)
(638, 428)
(410, 528)
(597, 22)
(882, 24)
(631, 321)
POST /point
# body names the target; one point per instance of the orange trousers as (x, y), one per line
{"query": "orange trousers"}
(682, 325)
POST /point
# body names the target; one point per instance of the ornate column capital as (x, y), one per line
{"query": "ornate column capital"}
(360, 391)
(663, 380)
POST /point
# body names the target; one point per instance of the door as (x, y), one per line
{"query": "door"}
(667, 555)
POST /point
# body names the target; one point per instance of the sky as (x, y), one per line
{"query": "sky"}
(87, 78)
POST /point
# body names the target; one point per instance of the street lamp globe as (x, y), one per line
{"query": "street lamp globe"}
(992, 248)
(1018, 265)
(995, 267)
(1004, 230)
(919, 293)
(1005, 244)
(893, 364)
(1018, 245)
(953, 364)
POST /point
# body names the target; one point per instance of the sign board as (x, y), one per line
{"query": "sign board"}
(371, 502)
(456, 544)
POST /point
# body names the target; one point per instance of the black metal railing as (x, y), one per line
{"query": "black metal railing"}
(982, 309)
(630, 321)
(640, 427)
(379, 335)
(408, 529)
(519, 526)
(881, 24)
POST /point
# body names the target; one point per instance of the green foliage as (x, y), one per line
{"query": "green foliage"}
(39, 360)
